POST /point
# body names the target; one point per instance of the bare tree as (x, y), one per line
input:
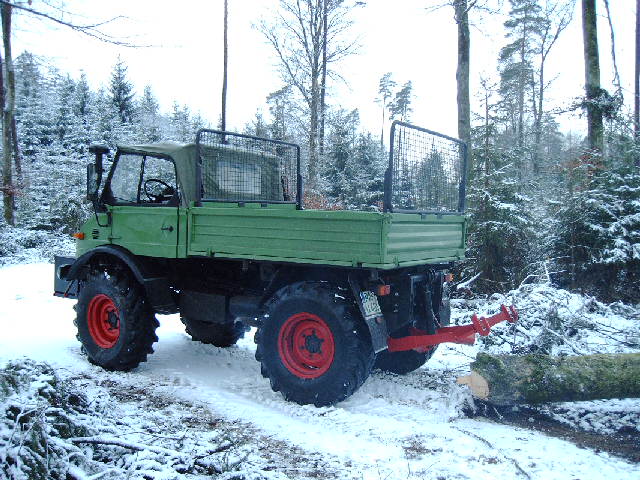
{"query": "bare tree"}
(616, 73)
(557, 16)
(297, 34)
(592, 75)
(223, 117)
(461, 9)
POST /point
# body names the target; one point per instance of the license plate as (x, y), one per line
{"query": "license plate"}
(370, 304)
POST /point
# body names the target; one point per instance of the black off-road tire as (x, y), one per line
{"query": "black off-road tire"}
(117, 296)
(405, 362)
(218, 334)
(329, 327)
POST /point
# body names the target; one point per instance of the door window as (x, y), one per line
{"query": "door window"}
(158, 181)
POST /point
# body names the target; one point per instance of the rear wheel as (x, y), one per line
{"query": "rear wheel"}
(405, 362)
(115, 325)
(217, 334)
(312, 347)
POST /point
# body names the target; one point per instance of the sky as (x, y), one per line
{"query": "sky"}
(184, 60)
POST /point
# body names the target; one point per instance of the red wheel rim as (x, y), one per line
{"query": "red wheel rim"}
(103, 320)
(306, 345)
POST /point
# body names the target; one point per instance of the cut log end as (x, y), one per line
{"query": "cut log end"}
(477, 384)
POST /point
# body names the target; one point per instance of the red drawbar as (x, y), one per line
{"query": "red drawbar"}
(464, 334)
(306, 345)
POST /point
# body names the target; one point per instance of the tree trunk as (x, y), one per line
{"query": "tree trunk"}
(462, 74)
(592, 75)
(511, 379)
(8, 188)
(223, 116)
(636, 103)
(323, 84)
(313, 133)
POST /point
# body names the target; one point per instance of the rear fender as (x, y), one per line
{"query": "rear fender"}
(349, 281)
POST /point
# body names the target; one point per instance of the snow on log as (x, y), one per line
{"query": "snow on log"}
(515, 379)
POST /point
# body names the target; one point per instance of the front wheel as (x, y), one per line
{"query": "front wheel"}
(312, 346)
(115, 324)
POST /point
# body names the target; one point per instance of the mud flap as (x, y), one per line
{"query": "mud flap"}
(61, 286)
(374, 320)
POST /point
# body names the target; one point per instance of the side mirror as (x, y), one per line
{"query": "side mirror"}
(92, 183)
(94, 171)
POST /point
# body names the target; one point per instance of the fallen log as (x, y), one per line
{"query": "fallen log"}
(513, 379)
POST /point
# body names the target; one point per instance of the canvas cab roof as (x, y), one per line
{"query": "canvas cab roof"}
(227, 172)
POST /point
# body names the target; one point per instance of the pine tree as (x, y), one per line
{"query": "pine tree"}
(282, 111)
(385, 88)
(400, 108)
(105, 120)
(370, 165)
(149, 116)
(181, 126)
(30, 104)
(596, 244)
(500, 225)
(64, 116)
(525, 23)
(257, 127)
(82, 98)
(197, 122)
(339, 171)
(121, 92)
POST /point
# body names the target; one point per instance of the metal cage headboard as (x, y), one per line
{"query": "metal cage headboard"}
(426, 171)
(238, 168)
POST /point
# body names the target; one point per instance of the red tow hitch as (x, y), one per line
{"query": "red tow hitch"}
(464, 334)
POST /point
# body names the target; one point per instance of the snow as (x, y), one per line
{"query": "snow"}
(393, 427)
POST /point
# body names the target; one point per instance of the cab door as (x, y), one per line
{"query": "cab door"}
(143, 200)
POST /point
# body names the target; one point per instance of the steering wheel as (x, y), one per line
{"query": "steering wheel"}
(157, 198)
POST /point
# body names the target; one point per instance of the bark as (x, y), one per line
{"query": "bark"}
(223, 119)
(323, 83)
(8, 188)
(530, 379)
(17, 159)
(313, 133)
(616, 73)
(592, 75)
(462, 74)
(636, 102)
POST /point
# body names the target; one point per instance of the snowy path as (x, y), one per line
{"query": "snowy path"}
(392, 427)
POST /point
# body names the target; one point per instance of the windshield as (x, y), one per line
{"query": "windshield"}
(142, 179)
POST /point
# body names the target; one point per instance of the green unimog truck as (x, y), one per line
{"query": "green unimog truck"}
(217, 232)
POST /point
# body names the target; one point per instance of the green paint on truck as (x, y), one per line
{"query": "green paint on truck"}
(217, 231)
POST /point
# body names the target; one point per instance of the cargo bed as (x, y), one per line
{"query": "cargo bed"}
(341, 238)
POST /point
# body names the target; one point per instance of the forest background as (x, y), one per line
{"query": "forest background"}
(543, 202)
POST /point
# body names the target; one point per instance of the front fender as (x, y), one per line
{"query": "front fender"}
(154, 281)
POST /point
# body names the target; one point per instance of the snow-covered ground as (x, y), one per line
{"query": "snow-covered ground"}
(392, 428)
